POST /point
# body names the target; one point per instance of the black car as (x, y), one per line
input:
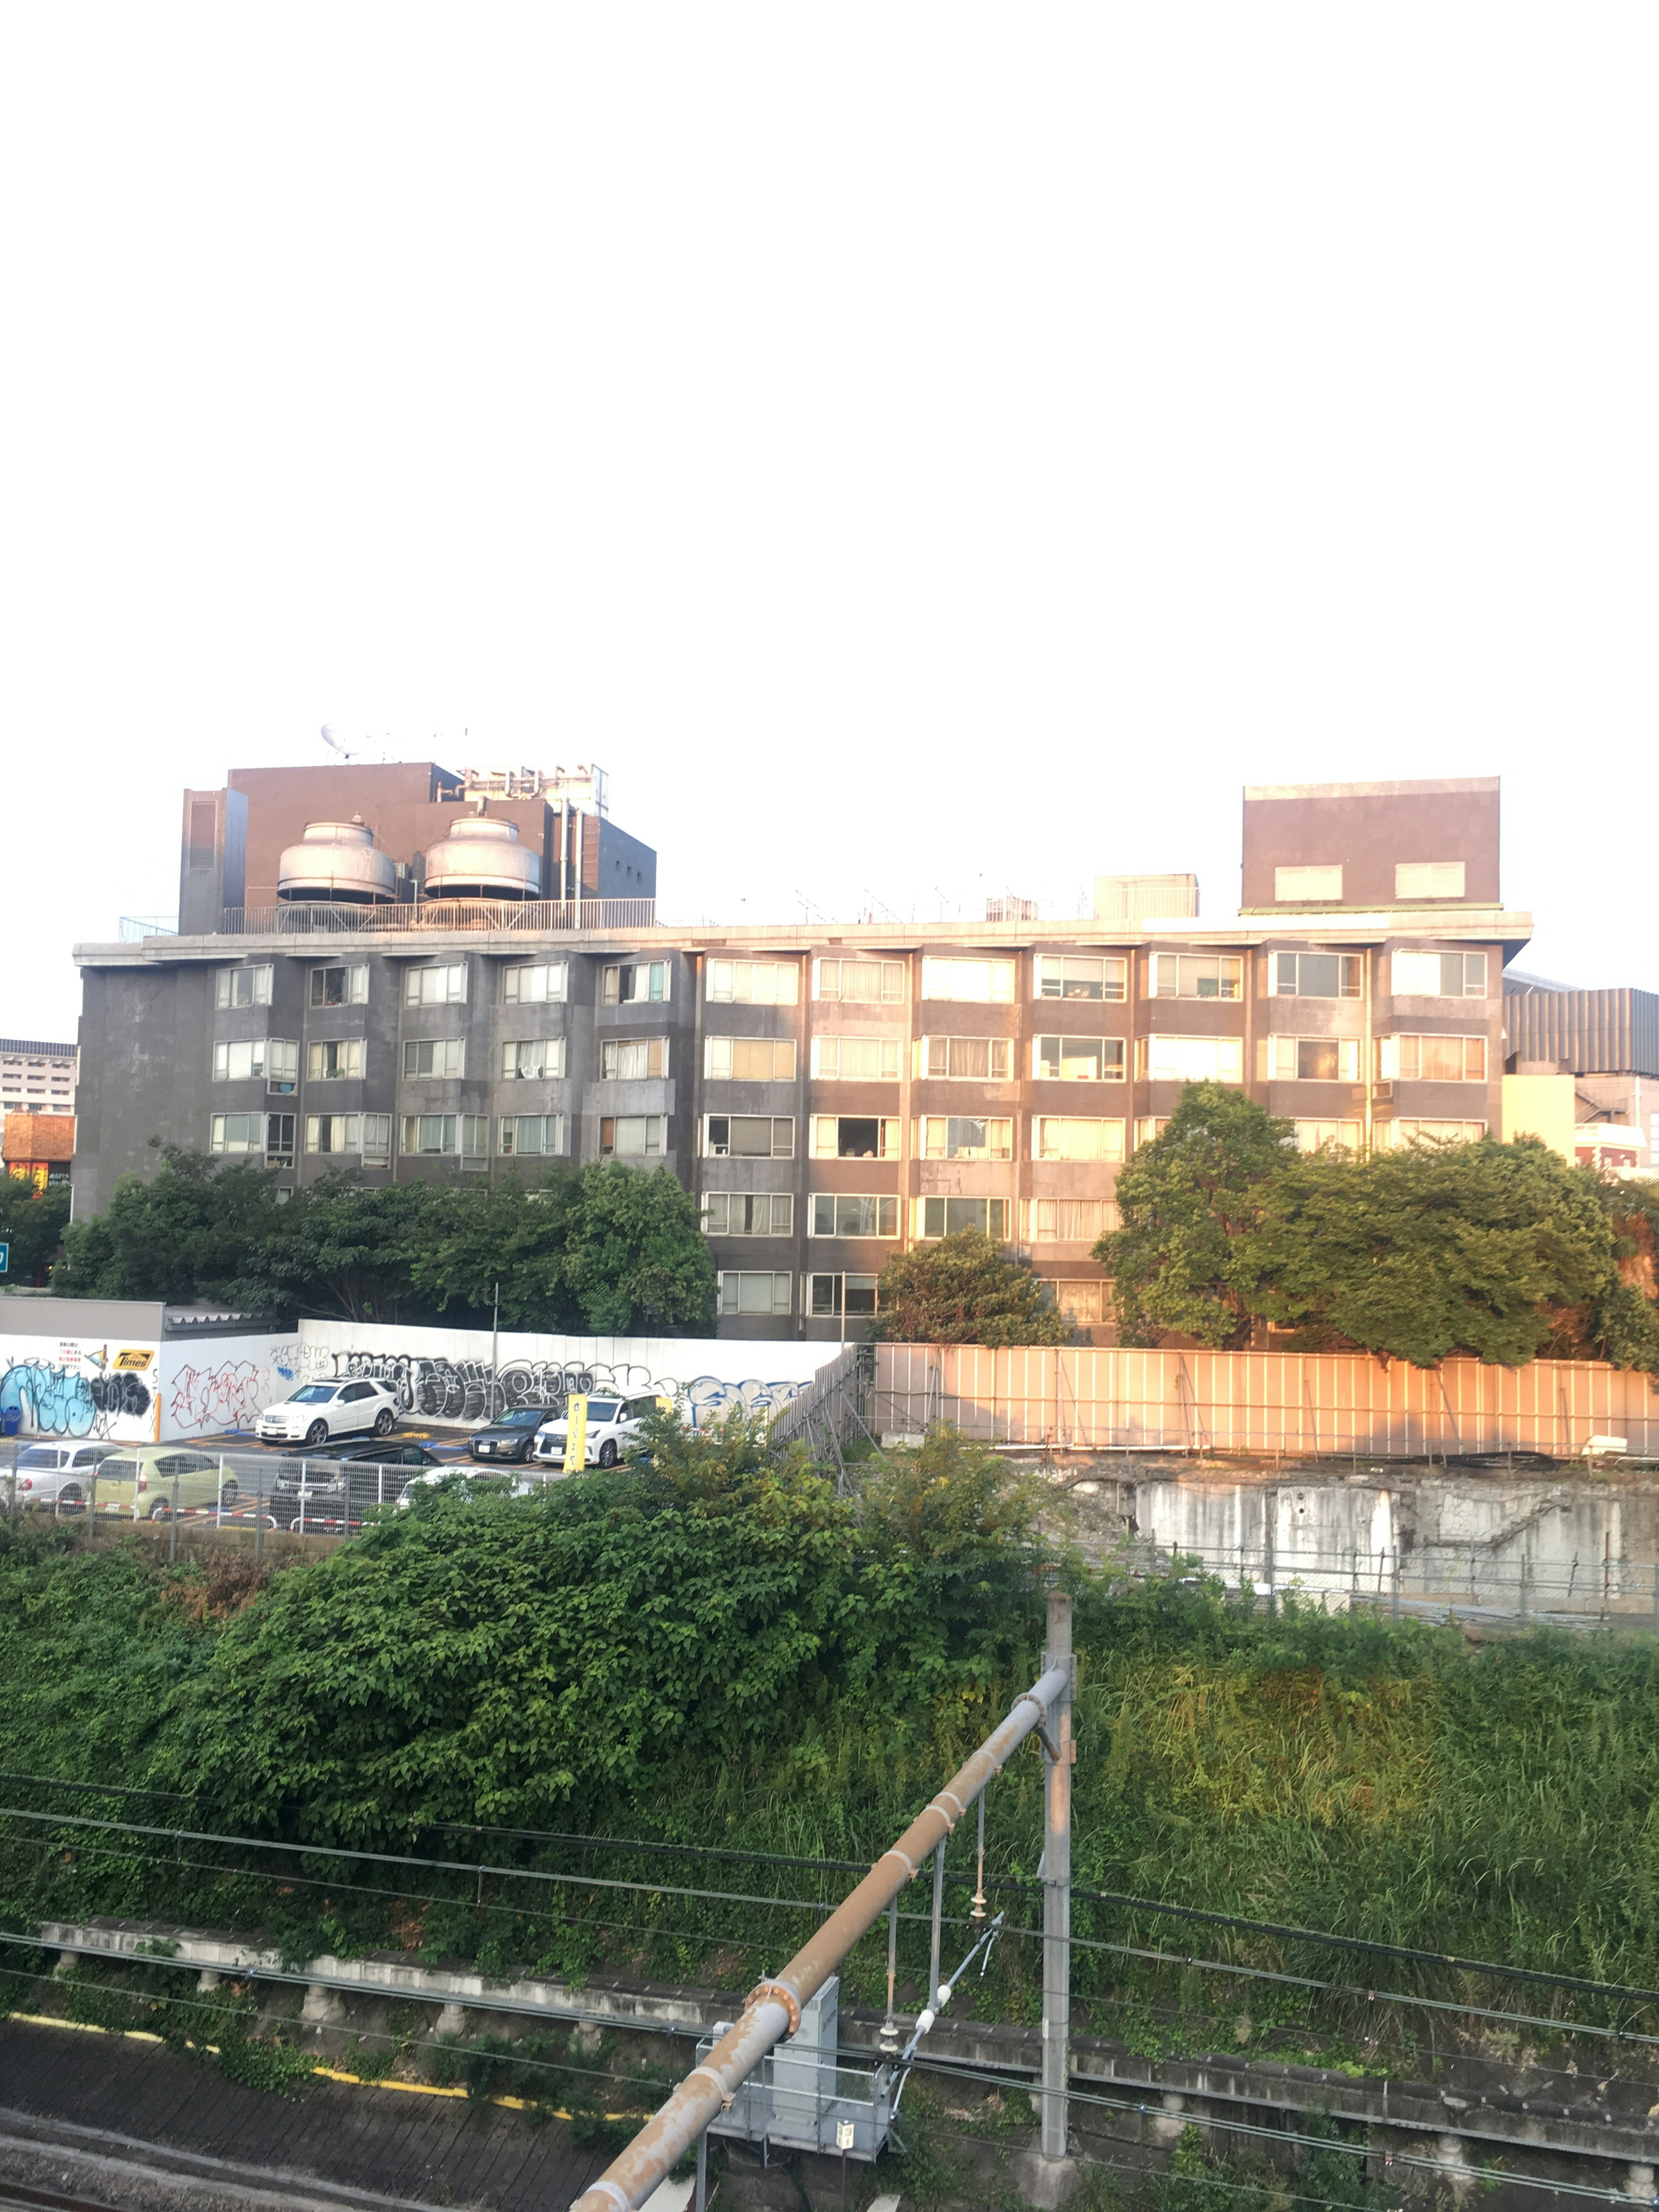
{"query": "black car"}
(338, 1486)
(511, 1436)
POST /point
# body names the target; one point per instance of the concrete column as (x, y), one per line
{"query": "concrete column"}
(207, 1980)
(323, 2007)
(1452, 2151)
(451, 2020)
(1639, 2182)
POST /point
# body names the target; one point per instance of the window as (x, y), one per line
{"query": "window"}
(879, 979)
(377, 1140)
(855, 1137)
(1196, 975)
(986, 982)
(465, 1133)
(1077, 1059)
(1068, 1220)
(633, 1136)
(749, 1060)
(532, 1060)
(433, 1059)
(748, 1136)
(339, 987)
(269, 1133)
(1149, 1129)
(1429, 879)
(1301, 885)
(1190, 1060)
(1087, 1302)
(943, 1217)
(1311, 1136)
(965, 1137)
(531, 1135)
(829, 1296)
(753, 983)
(633, 1060)
(1432, 1059)
(538, 986)
(1070, 1137)
(1313, 976)
(1444, 1133)
(273, 1059)
(971, 1060)
(1069, 975)
(754, 1293)
(242, 987)
(1438, 974)
(854, 1059)
(436, 987)
(749, 1213)
(341, 1132)
(635, 983)
(335, 1060)
(836, 1213)
(1310, 1060)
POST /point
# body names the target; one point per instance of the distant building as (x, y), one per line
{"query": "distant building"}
(37, 1077)
(1606, 1045)
(831, 1094)
(39, 1146)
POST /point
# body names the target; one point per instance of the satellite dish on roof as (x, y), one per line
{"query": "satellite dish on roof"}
(334, 744)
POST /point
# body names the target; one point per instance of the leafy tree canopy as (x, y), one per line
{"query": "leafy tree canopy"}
(193, 1230)
(965, 1289)
(635, 1253)
(32, 1222)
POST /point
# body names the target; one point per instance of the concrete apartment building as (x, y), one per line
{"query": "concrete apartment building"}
(832, 1094)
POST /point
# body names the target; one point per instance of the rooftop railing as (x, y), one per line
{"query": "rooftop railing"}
(136, 927)
(527, 918)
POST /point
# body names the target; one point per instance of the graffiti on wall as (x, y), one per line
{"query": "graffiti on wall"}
(230, 1394)
(58, 1399)
(436, 1389)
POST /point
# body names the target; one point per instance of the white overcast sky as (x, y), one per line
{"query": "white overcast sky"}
(920, 450)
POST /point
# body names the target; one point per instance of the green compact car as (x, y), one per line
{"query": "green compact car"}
(139, 1482)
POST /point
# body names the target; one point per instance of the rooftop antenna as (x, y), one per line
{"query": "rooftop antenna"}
(334, 745)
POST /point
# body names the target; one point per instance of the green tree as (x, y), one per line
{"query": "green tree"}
(635, 1257)
(194, 1231)
(32, 1222)
(475, 1235)
(1182, 1259)
(965, 1289)
(351, 1249)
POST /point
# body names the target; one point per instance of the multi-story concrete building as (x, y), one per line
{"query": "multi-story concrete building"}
(831, 1094)
(1601, 1050)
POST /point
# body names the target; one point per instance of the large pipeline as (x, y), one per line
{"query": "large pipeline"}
(773, 2008)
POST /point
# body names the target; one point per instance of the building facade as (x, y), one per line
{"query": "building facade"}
(1601, 1047)
(831, 1095)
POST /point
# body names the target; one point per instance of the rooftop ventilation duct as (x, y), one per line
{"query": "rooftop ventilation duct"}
(336, 864)
(482, 859)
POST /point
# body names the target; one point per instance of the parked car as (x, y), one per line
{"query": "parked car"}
(141, 1482)
(341, 1484)
(317, 1411)
(511, 1436)
(57, 1475)
(614, 1427)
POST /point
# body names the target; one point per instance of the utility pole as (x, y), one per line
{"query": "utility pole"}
(494, 1350)
(1057, 1887)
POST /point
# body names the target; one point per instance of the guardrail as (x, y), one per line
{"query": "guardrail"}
(136, 927)
(528, 918)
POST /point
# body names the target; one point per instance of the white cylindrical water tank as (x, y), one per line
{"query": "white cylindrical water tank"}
(482, 859)
(336, 864)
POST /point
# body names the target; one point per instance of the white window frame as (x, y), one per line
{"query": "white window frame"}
(996, 1223)
(713, 1151)
(889, 983)
(738, 1301)
(1350, 976)
(1048, 1220)
(932, 1137)
(225, 997)
(220, 1132)
(752, 983)
(1429, 879)
(274, 1061)
(719, 1057)
(1281, 1058)
(1050, 1066)
(1406, 975)
(1183, 967)
(463, 1136)
(444, 1051)
(826, 1206)
(655, 972)
(943, 1048)
(346, 1050)
(944, 976)
(1088, 1302)
(777, 1206)
(890, 1136)
(356, 983)
(511, 1129)
(1309, 884)
(350, 1129)
(829, 1052)
(1402, 1132)
(1158, 1056)
(535, 983)
(1311, 1136)
(443, 983)
(653, 1136)
(655, 1052)
(1400, 1057)
(1056, 968)
(834, 1306)
(1050, 1138)
(515, 1050)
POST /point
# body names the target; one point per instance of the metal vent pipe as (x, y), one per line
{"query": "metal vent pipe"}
(773, 2008)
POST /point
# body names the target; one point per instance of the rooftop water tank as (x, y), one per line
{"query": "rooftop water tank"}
(482, 859)
(336, 864)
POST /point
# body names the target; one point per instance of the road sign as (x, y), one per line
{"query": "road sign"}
(5, 1258)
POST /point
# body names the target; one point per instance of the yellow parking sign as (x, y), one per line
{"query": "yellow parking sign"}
(575, 1435)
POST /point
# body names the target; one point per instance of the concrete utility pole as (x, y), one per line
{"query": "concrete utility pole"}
(1057, 1887)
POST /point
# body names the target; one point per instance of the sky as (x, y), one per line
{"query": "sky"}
(921, 452)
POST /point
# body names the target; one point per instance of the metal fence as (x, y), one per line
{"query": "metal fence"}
(529, 917)
(1264, 1402)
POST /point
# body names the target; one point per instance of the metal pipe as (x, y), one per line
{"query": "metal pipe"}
(1057, 1890)
(773, 2008)
(938, 1913)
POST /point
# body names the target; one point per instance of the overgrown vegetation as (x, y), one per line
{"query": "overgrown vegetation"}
(1501, 1250)
(965, 1289)
(31, 1221)
(605, 1249)
(719, 1650)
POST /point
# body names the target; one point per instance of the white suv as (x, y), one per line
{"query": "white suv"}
(613, 1430)
(318, 1411)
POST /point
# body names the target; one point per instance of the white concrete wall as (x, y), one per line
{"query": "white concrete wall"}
(222, 1382)
(73, 1386)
